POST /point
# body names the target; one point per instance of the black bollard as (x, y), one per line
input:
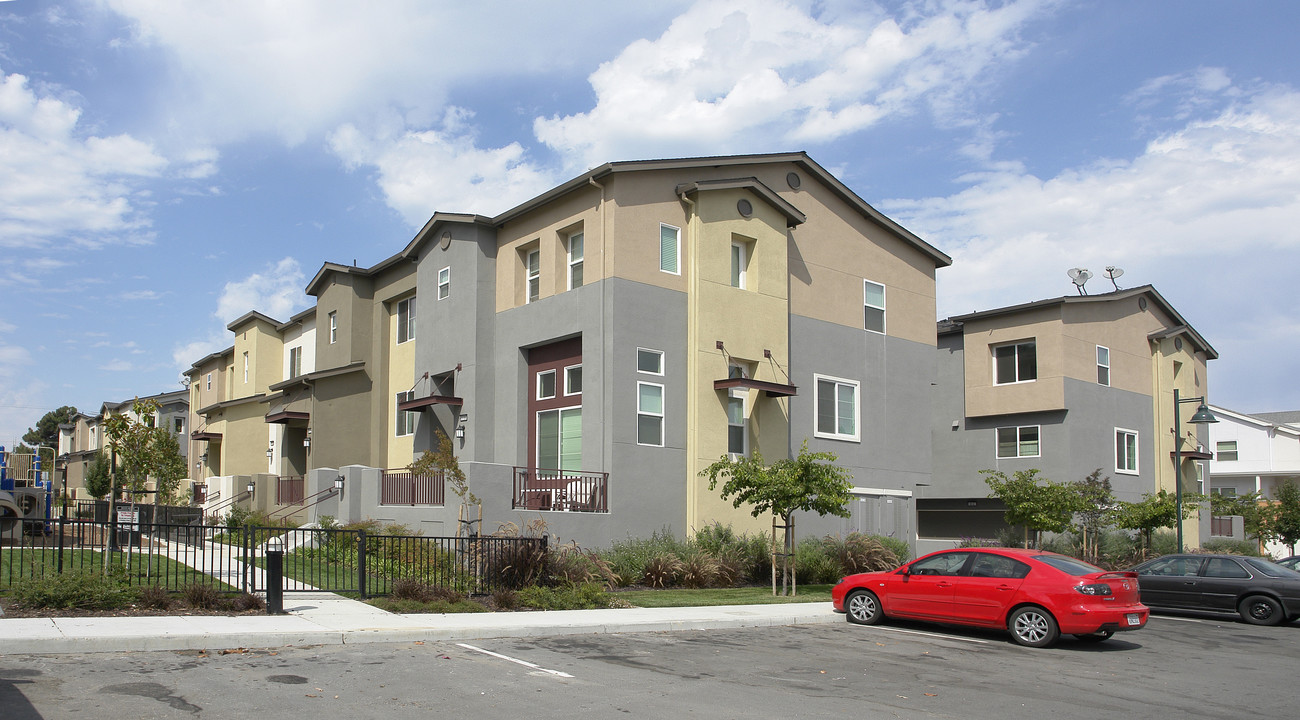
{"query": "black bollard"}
(274, 579)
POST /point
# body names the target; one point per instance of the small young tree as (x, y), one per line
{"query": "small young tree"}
(98, 479)
(1034, 503)
(444, 460)
(1096, 510)
(1155, 511)
(169, 468)
(808, 483)
(1284, 522)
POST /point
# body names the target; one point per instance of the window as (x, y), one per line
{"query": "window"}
(575, 260)
(209, 381)
(836, 409)
(737, 430)
(1103, 365)
(1225, 568)
(1126, 451)
(739, 263)
(1225, 451)
(573, 380)
(444, 283)
(149, 420)
(949, 563)
(1018, 442)
(245, 366)
(649, 414)
(546, 385)
(405, 418)
(1015, 363)
(405, 320)
(295, 362)
(1227, 492)
(334, 327)
(873, 306)
(650, 361)
(559, 439)
(178, 425)
(669, 244)
(534, 275)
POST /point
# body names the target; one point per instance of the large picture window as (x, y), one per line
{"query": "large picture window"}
(559, 439)
(836, 410)
(1018, 442)
(649, 414)
(1015, 363)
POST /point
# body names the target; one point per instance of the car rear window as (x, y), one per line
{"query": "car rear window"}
(1270, 569)
(1069, 565)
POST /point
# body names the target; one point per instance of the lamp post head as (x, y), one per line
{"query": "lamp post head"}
(1203, 416)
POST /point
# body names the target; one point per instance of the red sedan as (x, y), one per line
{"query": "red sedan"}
(1035, 595)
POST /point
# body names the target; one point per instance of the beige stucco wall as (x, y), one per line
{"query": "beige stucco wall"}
(1041, 325)
(398, 373)
(548, 229)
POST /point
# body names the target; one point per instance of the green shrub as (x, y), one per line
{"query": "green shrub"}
(628, 559)
(732, 567)
(860, 553)
(76, 590)
(408, 589)
(1163, 542)
(154, 597)
(505, 599)
(902, 551)
(814, 564)
(514, 562)
(202, 597)
(571, 565)
(975, 542)
(586, 596)
(1231, 547)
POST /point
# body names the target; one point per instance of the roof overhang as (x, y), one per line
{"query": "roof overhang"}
(284, 417)
(429, 401)
(772, 389)
(1192, 455)
(792, 214)
(205, 435)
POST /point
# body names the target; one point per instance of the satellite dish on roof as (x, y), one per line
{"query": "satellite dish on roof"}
(1113, 272)
(1080, 278)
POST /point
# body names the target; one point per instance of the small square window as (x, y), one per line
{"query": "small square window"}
(1225, 451)
(546, 385)
(650, 361)
(1015, 363)
(573, 380)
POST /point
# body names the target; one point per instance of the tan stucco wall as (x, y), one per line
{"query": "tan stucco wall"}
(548, 229)
(1043, 326)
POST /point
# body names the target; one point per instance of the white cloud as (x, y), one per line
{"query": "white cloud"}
(742, 75)
(277, 291)
(143, 295)
(56, 182)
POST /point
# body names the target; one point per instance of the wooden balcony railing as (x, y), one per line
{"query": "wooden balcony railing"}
(401, 487)
(560, 490)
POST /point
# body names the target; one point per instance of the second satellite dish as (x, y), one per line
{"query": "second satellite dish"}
(1113, 272)
(1080, 277)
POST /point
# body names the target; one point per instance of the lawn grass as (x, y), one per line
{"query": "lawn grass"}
(681, 597)
(135, 569)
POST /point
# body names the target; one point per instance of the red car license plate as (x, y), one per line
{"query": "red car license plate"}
(1133, 619)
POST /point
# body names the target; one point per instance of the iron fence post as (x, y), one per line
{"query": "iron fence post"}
(60, 545)
(361, 563)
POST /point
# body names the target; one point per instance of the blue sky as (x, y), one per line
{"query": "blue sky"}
(167, 165)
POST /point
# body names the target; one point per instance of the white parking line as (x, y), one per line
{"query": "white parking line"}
(513, 660)
(1180, 619)
(933, 635)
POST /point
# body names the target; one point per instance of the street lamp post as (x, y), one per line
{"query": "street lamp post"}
(1202, 416)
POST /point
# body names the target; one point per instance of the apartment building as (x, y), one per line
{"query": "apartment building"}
(1253, 453)
(1067, 386)
(79, 441)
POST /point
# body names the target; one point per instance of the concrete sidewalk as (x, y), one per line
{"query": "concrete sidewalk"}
(328, 619)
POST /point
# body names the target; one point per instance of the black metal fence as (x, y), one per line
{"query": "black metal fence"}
(233, 560)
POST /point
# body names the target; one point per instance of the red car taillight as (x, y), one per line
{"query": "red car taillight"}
(1094, 589)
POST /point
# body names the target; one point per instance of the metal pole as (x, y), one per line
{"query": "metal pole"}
(1178, 473)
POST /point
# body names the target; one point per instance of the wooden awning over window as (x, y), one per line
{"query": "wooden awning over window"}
(429, 401)
(205, 435)
(772, 389)
(1193, 455)
(285, 417)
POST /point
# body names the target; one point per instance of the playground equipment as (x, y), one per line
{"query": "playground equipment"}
(27, 502)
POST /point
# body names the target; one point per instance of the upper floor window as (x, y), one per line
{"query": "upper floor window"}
(575, 260)
(209, 381)
(669, 247)
(444, 283)
(873, 306)
(245, 366)
(534, 275)
(405, 320)
(149, 420)
(178, 425)
(739, 263)
(405, 420)
(546, 385)
(334, 327)
(1225, 451)
(295, 362)
(1018, 442)
(649, 414)
(1126, 451)
(650, 361)
(1103, 365)
(573, 380)
(1015, 363)
(1227, 492)
(836, 408)
(737, 425)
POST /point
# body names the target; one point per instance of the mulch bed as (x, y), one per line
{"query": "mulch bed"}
(11, 610)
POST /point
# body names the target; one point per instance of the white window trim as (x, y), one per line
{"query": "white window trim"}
(993, 354)
(677, 270)
(334, 327)
(245, 367)
(1218, 452)
(537, 420)
(883, 312)
(529, 275)
(1137, 438)
(410, 321)
(744, 262)
(209, 381)
(444, 283)
(556, 387)
(1017, 428)
(403, 419)
(660, 353)
(1106, 365)
(567, 390)
(663, 425)
(857, 408)
(743, 396)
(569, 245)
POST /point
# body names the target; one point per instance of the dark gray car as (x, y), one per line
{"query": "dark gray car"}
(1259, 590)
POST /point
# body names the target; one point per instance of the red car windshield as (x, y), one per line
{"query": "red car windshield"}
(1069, 565)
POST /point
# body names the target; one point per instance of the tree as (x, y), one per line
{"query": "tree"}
(1253, 512)
(98, 478)
(808, 483)
(143, 451)
(46, 432)
(1155, 511)
(1284, 520)
(444, 461)
(1046, 506)
(169, 468)
(1096, 510)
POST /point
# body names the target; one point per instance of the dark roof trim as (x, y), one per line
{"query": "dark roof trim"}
(206, 358)
(250, 316)
(800, 159)
(231, 403)
(792, 215)
(284, 417)
(312, 377)
(429, 401)
(296, 319)
(772, 389)
(439, 220)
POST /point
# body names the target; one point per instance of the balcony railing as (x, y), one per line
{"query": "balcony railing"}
(289, 490)
(401, 487)
(560, 490)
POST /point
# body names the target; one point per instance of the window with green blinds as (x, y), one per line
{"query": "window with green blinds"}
(668, 247)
